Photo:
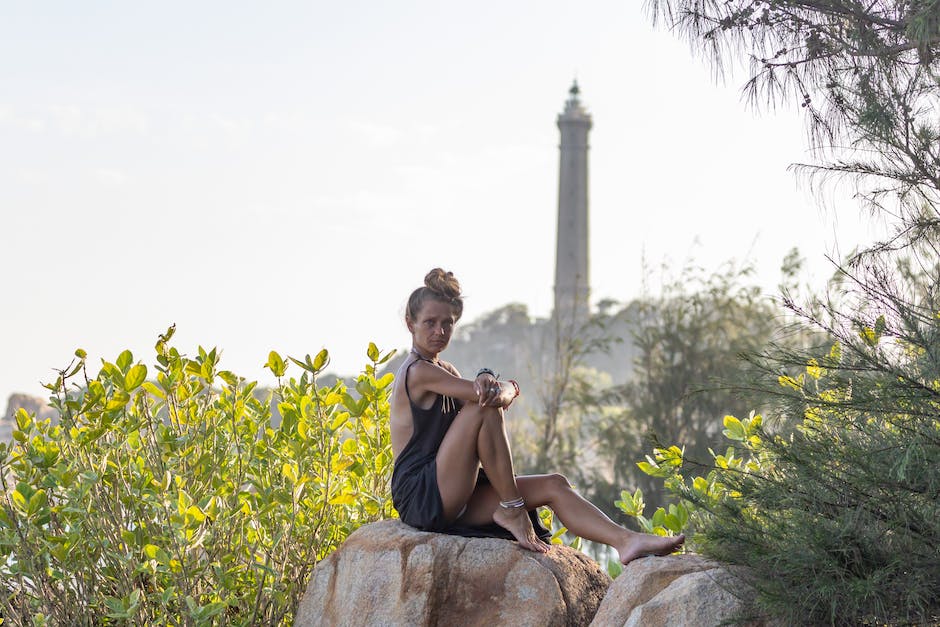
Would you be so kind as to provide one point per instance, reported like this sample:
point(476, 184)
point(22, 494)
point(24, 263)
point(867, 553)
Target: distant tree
point(690, 339)
point(569, 396)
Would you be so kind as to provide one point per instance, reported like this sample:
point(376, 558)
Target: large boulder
point(678, 591)
point(387, 573)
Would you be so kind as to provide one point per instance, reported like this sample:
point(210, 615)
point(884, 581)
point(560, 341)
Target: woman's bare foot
point(642, 544)
point(516, 521)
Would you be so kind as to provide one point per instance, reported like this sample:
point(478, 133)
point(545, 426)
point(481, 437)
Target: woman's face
point(432, 330)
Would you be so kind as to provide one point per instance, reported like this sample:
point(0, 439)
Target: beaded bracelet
point(487, 371)
point(515, 386)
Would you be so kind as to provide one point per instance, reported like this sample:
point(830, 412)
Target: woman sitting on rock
point(445, 427)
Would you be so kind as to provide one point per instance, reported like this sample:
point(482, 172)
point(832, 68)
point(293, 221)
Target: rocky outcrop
point(31, 404)
point(678, 590)
point(387, 573)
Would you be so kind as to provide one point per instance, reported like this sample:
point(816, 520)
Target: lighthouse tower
point(572, 286)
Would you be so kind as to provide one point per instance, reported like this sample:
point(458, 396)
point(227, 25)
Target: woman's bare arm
point(449, 367)
point(444, 379)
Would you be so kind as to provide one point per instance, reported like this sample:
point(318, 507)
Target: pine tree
point(840, 523)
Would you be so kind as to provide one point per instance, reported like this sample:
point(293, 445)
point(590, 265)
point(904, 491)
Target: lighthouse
point(572, 285)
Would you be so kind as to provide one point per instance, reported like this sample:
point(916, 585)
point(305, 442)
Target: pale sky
point(282, 175)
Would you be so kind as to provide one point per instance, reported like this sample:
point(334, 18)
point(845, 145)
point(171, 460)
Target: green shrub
point(838, 516)
point(169, 497)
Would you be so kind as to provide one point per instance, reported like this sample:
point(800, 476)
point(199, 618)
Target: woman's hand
point(488, 390)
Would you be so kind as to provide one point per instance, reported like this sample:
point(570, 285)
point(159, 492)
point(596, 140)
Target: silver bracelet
point(513, 504)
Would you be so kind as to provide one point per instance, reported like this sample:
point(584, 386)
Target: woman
point(445, 427)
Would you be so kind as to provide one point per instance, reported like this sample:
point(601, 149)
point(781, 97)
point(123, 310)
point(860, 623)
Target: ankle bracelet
point(513, 504)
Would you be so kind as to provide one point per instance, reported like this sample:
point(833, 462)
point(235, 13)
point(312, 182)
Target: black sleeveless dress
point(414, 479)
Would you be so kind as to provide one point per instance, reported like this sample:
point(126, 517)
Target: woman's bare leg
point(577, 514)
point(478, 436)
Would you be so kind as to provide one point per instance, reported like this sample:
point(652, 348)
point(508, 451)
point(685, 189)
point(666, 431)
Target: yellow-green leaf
point(134, 377)
point(117, 401)
point(183, 501)
point(734, 430)
point(37, 501)
point(195, 513)
point(276, 364)
point(813, 369)
point(289, 472)
point(19, 500)
point(124, 360)
point(320, 361)
point(343, 499)
point(23, 419)
point(340, 421)
point(153, 389)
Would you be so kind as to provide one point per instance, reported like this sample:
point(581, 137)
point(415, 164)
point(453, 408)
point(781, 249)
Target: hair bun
point(440, 286)
point(443, 283)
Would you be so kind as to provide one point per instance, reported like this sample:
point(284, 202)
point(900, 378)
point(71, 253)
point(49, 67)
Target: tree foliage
point(167, 496)
point(838, 519)
point(836, 507)
point(570, 396)
point(865, 73)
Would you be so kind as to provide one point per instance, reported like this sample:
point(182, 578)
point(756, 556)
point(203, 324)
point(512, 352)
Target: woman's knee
point(545, 489)
point(483, 414)
point(557, 482)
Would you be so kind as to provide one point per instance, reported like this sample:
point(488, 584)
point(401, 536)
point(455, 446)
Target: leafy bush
point(175, 500)
point(838, 517)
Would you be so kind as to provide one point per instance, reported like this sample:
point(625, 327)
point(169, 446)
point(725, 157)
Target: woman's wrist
point(487, 371)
